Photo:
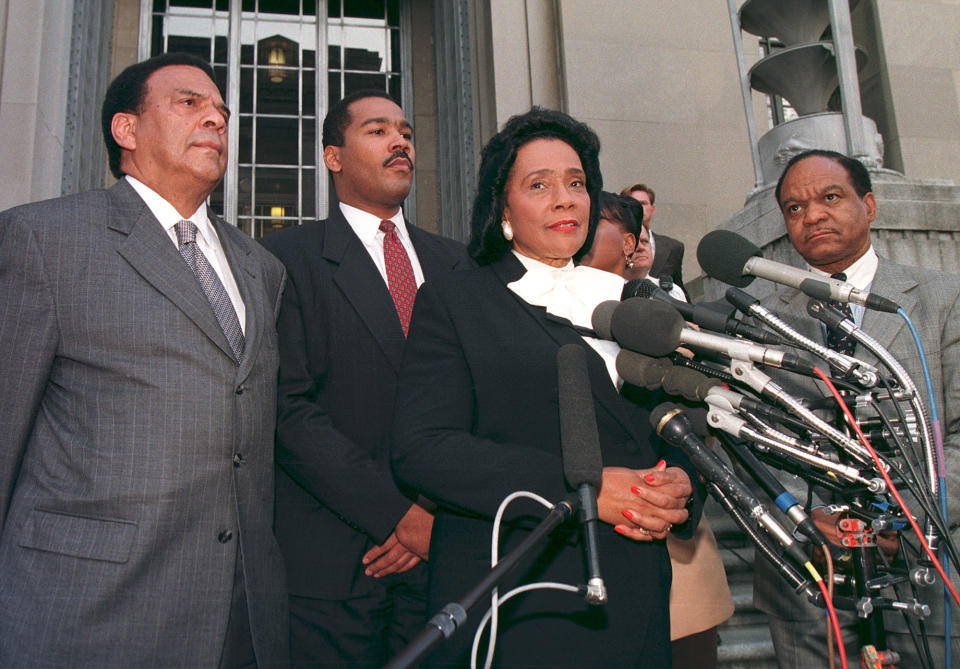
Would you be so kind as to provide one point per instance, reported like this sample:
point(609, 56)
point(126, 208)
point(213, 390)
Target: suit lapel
point(150, 252)
point(247, 274)
point(561, 331)
point(890, 282)
point(434, 259)
point(362, 284)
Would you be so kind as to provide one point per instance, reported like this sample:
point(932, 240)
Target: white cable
point(546, 585)
point(494, 558)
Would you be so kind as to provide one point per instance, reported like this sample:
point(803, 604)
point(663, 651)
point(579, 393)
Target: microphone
point(706, 317)
point(733, 259)
point(863, 373)
point(582, 461)
point(655, 328)
point(642, 370)
point(601, 317)
point(672, 425)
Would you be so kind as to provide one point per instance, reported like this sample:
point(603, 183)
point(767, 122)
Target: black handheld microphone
point(672, 425)
point(705, 316)
point(582, 461)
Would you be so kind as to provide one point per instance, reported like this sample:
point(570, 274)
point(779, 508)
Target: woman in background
point(477, 417)
point(700, 597)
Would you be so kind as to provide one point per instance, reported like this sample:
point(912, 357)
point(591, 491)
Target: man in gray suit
point(137, 404)
point(828, 205)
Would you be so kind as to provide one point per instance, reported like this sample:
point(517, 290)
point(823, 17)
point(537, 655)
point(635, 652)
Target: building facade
point(656, 79)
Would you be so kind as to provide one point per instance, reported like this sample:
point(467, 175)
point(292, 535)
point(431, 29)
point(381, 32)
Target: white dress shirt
point(207, 241)
point(367, 227)
point(859, 275)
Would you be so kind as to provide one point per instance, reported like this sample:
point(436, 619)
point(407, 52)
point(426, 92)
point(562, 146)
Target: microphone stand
point(452, 616)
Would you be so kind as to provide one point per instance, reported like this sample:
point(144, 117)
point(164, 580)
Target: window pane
point(309, 137)
point(246, 54)
point(220, 49)
point(333, 88)
point(309, 191)
point(245, 192)
point(198, 46)
point(277, 91)
point(280, 6)
point(246, 90)
point(364, 48)
point(207, 4)
point(308, 106)
point(246, 139)
point(277, 141)
point(364, 9)
point(156, 36)
point(355, 82)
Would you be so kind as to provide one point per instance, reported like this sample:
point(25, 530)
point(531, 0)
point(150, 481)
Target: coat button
point(224, 536)
point(240, 389)
point(237, 460)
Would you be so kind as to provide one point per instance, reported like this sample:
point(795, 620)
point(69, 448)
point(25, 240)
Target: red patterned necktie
point(403, 285)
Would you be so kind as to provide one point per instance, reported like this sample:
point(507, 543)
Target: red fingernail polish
point(661, 463)
point(627, 514)
point(619, 530)
point(649, 478)
point(635, 490)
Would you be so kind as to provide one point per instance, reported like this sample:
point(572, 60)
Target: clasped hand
point(406, 546)
point(644, 504)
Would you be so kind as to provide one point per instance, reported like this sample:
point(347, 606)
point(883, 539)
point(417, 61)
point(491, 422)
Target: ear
point(123, 127)
point(870, 202)
point(629, 243)
point(331, 158)
point(652, 209)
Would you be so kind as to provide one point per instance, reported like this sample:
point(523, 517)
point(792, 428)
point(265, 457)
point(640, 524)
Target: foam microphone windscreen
point(722, 255)
point(601, 317)
point(579, 437)
point(642, 370)
point(650, 327)
point(688, 383)
point(639, 288)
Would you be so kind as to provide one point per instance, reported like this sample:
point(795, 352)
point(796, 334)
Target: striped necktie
point(212, 288)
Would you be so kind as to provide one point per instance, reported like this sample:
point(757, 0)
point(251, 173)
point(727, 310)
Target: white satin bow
point(572, 292)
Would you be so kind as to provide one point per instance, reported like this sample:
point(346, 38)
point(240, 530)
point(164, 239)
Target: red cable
point(886, 477)
point(835, 622)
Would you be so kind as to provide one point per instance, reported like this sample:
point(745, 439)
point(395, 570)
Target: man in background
point(667, 251)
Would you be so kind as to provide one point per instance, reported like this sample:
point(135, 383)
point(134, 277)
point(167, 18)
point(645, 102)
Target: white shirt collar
point(859, 274)
point(168, 216)
point(367, 226)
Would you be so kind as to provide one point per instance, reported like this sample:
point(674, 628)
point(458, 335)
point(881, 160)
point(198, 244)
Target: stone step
point(745, 648)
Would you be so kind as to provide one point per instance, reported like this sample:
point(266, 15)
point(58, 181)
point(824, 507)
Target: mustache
point(398, 154)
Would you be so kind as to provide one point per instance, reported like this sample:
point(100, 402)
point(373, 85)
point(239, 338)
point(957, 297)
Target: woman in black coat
point(477, 417)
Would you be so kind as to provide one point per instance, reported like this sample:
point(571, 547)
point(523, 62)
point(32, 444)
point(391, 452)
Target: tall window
point(264, 54)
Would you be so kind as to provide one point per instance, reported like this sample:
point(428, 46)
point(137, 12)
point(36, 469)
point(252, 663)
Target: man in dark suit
point(667, 251)
point(137, 404)
point(351, 538)
point(828, 205)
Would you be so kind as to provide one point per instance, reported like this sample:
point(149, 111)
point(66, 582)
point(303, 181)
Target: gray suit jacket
point(135, 452)
point(932, 301)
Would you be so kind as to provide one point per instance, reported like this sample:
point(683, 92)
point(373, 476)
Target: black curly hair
point(487, 242)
